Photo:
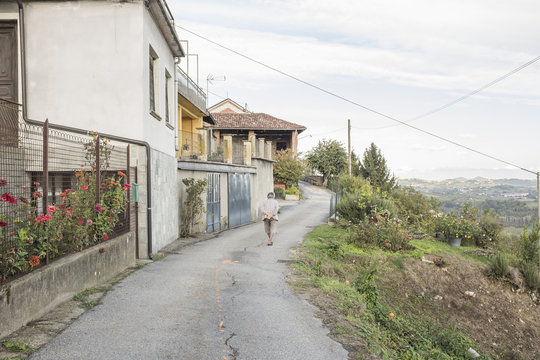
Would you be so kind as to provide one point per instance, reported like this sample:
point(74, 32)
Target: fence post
point(126, 181)
point(45, 179)
point(98, 169)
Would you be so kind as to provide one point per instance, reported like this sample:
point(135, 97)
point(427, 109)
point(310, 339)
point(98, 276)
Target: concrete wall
point(87, 67)
point(31, 296)
point(262, 184)
point(158, 133)
point(165, 200)
point(261, 177)
point(84, 64)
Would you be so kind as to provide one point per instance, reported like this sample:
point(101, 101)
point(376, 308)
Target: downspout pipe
point(85, 132)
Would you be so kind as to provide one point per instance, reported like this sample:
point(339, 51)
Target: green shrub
point(529, 245)
point(279, 191)
point(531, 274)
point(288, 169)
point(413, 205)
point(354, 184)
point(490, 227)
point(357, 206)
point(499, 264)
point(292, 191)
point(381, 231)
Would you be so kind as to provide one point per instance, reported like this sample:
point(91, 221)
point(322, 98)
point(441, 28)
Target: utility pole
point(349, 133)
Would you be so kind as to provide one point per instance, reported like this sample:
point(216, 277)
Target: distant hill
point(513, 199)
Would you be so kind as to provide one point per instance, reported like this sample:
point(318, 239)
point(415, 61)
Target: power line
point(466, 96)
point(378, 112)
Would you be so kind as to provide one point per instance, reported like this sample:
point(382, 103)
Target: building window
point(167, 90)
point(152, 80)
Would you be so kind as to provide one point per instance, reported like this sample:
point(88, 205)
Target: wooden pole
point(349, 136)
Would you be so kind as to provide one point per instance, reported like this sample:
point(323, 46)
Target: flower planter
point(455, 242)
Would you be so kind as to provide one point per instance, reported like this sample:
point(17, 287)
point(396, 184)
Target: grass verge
point(349, 276)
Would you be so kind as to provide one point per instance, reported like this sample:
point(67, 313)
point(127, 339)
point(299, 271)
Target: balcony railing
point(191, 91)
point(190, 145)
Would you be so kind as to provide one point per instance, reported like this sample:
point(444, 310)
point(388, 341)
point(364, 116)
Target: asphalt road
point(225, 298)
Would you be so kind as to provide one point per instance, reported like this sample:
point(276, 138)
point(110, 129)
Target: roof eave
point(165, 22)
point(253, 128)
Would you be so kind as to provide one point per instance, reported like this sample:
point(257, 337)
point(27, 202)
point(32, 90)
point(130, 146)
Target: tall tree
point(373, 168)
point(328, 157)
point(355, 164)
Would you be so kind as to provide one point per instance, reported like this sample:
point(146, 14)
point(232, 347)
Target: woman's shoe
point(270, 244)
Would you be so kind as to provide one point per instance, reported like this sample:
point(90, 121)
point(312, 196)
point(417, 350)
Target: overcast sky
point(400, 58)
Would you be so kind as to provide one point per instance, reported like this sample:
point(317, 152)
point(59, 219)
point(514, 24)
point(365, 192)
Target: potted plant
point(453, 228)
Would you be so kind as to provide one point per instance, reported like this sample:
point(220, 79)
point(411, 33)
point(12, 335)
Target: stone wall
point(33, 295)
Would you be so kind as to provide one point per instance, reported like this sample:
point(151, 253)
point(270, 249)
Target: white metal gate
point(213, 204)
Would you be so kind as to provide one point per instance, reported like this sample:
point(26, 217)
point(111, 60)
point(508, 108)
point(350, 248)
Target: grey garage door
point(239, 199)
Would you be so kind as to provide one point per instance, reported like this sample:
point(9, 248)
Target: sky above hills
point(400, 58)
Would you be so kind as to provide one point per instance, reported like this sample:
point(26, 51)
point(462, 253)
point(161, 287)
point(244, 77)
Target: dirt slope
point(500, 316)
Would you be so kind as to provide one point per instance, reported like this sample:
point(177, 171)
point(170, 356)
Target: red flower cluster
point(8, 198)
point(99, 208)
point(34, 261)
point(37, 194)
point(42, 218)
point(84, 187)
point(3, 224)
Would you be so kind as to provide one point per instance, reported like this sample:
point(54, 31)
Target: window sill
point(155, 114)
point(170, 126)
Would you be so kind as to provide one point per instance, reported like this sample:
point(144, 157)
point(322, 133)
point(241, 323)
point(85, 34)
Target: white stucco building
point(107, 66)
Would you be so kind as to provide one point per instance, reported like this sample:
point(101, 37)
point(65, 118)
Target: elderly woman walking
point(270, 209)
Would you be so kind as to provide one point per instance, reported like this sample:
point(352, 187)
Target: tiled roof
point(253, 121)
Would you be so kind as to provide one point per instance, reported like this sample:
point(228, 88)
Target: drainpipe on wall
point(85, 132)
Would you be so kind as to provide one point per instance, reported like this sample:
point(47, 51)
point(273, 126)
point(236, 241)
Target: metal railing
point(191, 91)
point(38, 167)
point(190, 144)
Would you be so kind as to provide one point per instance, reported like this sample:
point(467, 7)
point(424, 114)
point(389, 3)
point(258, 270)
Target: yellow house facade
point(191, 135)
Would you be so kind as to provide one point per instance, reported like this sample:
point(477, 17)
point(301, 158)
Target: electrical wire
point(380, 113)
point(466, 96)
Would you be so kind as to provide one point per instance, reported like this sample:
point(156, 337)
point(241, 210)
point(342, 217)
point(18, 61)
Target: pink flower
point(51, 209)
point(69, 214)
point(89, 222)
point(80, 222)
point(84, 187)
point(127, 185)
point(105, 236)
point(98, 208)
point(48, 217)
point(3, 224)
